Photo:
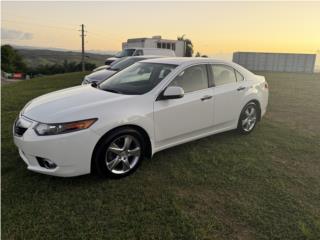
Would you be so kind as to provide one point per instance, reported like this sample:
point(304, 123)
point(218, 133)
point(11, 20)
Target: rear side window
point(239, 76)
point(223, 74)
point(192, 79)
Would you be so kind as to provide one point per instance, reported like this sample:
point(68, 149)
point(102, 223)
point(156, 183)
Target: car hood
point(112, 58)
point(100, 75)
point(71, 104)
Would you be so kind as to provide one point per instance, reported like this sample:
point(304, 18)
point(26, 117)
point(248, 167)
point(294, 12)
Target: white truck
point(138, 51)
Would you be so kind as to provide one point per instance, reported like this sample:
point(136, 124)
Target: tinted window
point(138, 52)
point(137, 79)
point(192, 79)
point(125, 63)
point(116, 61)
point(125, 53)
point(223, 74)
point(239, 76)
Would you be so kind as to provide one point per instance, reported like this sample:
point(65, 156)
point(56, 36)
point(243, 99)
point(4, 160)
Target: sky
point(214, 27)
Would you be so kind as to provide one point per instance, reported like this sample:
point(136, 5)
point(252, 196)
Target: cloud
point(11, 34)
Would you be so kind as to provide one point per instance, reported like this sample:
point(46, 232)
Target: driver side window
point(138, 52)
point(192, 79)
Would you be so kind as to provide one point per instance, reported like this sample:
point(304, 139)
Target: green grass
point(36, 57)
point(262, 186)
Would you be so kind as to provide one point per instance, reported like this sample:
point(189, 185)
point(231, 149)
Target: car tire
point(119, 154)
point(248, 118)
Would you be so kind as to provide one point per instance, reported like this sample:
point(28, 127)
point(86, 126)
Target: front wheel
point(119, 154)
point(248, 118)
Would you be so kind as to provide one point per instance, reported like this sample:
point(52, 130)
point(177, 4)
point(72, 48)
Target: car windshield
point(137, 79)
point(125, 63)
point(116, 61)
point(125, 53)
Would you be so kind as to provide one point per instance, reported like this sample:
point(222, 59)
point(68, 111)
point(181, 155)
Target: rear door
point(194, 111)
point(227, 94)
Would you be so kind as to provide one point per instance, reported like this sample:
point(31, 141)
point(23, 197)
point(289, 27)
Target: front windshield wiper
point(112, 90)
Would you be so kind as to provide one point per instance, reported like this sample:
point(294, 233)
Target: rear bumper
point(71, 152)
point(263, 110)
point(264, 104)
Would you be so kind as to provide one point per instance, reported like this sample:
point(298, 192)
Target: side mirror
point(172, 93)
point(94, 84)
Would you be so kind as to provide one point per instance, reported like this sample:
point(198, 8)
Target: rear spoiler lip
point(260, 77)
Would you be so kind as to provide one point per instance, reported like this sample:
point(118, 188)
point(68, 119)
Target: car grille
point(20, 126)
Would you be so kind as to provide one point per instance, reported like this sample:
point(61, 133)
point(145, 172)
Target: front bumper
point(71, 152)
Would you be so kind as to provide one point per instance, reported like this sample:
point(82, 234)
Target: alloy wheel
point(249, 119)
point(123, 154)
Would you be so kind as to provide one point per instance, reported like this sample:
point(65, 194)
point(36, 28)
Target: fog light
point(46, 163)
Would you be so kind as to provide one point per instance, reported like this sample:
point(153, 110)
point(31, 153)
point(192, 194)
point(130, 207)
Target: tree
point(188, 44)
point(198, 54)
point(11, 61)
point(60, 68)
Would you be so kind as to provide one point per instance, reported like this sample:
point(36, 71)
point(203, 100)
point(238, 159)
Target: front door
point(194, 111)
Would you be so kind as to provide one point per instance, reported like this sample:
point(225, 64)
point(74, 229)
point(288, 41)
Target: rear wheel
point(120, 153)
point(248, 118)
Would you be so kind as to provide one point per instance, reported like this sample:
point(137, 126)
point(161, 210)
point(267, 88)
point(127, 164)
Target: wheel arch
point(141, 130)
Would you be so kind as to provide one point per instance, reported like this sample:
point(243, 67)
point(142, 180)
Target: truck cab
point(128, 52)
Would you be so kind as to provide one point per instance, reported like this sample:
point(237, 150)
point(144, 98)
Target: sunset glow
point(213, 27)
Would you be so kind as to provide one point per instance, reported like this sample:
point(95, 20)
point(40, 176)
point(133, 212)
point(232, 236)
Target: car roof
point(185, 60)
point(144, 56)
point(135, 48)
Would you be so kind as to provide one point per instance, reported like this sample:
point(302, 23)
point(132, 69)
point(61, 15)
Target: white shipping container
point(277, 62)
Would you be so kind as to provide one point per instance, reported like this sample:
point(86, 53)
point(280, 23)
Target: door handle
point(206, 97)
point(241, 88)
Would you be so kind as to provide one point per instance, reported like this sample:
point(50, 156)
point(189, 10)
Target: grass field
point(36, 57)
point(262, 186)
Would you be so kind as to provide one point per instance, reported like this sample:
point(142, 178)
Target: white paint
point(167, 122)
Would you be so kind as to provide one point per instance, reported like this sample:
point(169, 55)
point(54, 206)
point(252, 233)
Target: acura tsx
point(150, 106)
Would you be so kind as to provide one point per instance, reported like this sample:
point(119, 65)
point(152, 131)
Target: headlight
point(43, 129)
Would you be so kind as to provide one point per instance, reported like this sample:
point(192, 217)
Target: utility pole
point(82, 45)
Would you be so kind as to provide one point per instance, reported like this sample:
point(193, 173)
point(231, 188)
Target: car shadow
point(93, 179)
point(206, 140)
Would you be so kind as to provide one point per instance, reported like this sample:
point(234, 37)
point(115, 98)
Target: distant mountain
point(39, 48)
point(103, 52)
point(34, 57)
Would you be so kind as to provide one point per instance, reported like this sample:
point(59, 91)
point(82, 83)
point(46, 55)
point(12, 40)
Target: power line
point(96, 36)
point(103, 36)
point(40, 25)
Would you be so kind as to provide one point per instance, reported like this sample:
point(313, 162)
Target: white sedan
point(150, 106)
